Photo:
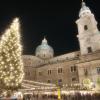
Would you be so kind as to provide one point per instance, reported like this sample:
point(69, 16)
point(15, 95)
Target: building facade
point(70, 68)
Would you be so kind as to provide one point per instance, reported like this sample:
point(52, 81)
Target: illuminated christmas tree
point(11, 65)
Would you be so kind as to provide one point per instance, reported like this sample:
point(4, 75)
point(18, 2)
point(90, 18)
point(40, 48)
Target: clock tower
point(88, 33)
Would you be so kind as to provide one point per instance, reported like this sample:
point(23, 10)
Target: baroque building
point(69, 68)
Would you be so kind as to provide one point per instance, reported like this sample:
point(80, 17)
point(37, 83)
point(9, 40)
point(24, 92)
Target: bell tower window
point(85, 27)
point(89, 49)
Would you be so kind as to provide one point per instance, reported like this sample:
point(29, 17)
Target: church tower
point(88, 33)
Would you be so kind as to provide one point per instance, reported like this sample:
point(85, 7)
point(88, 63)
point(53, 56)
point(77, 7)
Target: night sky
point(55, 21)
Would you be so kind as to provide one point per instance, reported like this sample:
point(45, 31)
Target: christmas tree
point(11, 64)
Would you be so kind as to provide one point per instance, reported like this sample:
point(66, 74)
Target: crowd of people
point(76, 96)
point(43, 96)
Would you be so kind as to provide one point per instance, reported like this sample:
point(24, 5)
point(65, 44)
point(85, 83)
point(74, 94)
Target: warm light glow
point(11, 64)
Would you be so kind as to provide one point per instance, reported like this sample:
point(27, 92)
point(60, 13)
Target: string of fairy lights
point(11, 65)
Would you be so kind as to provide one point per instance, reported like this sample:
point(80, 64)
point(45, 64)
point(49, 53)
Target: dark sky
point(56, 21)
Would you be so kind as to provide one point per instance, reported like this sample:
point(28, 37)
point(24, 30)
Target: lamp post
point(59, 90)
point(59, 93)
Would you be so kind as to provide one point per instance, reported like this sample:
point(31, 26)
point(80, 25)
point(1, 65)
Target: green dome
point(44, 50)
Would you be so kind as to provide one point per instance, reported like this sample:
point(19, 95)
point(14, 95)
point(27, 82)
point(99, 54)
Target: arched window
point(85, 27)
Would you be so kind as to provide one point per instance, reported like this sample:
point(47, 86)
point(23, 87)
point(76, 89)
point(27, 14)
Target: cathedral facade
point(69, 68)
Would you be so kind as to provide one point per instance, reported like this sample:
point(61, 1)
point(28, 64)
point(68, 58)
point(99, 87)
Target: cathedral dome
point(84, 10)
point(44, 50)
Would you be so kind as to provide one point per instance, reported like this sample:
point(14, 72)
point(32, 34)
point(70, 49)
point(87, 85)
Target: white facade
point(72, 67)
point(88, 33)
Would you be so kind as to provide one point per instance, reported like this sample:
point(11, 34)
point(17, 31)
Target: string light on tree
point(11, 64)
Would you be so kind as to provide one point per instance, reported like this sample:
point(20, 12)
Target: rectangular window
point(49, 81)
point(73, 68)
point(89, 49)
point(85, 72)
point(98, 70)
point(59, 70)
point(49, 72)
point(73, 79)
